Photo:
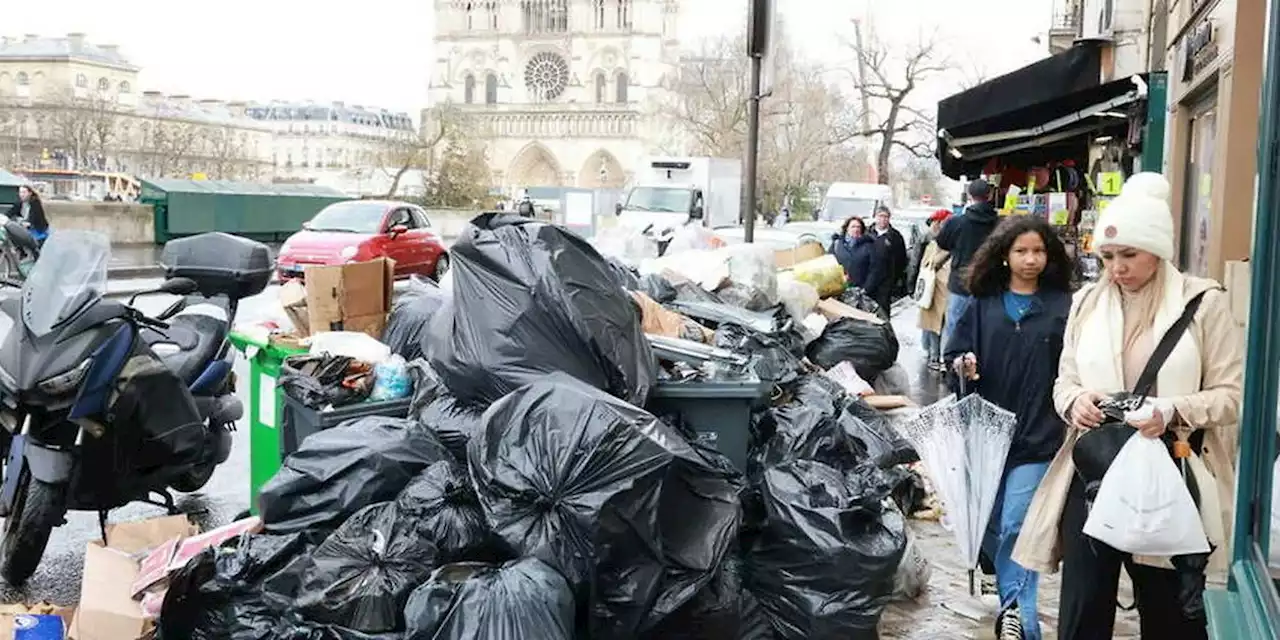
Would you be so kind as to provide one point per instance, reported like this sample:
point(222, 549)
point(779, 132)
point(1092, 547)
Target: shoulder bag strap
point(1165, 347)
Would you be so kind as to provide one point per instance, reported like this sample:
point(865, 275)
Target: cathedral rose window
point(546, 75)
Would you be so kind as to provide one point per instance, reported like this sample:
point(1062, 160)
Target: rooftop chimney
point(76, 40)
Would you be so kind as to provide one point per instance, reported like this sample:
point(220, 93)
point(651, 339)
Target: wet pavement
point(946, 611)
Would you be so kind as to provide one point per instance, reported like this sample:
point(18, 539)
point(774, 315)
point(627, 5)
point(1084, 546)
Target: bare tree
point(170, 147)
point(225, 152)
point(409, 150)
point(709, 92)
point(890, 76)
point(83, 126)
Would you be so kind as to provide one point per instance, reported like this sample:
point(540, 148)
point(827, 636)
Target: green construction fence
point(264, 212)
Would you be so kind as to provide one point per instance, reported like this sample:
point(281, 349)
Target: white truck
point(668, 192)
point(854, 199)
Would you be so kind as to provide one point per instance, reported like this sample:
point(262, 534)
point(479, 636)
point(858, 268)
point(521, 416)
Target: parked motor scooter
point(103, 405)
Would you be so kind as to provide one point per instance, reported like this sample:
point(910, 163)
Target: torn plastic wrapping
point(338, 471)
point(884, 444)
point(410, 317)
point(631, 246)
point(524, 599)
point(798, 298)
point(530, 299)
point(718, 313)
point(872, 348)
point(439, 411)
point(824, 565)
point(858, 299)
point(317, 380)
point(633, 516)
point(754, 266)
point(657, 287)
point(773, 357)
point(362, 574)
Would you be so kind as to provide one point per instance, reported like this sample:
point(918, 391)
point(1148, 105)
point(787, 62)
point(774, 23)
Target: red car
point(360, 230)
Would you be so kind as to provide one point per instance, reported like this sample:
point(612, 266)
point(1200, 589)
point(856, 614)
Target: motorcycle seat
point(192, 340)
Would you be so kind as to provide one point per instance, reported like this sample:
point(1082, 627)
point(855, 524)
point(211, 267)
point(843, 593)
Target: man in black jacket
point(962, 235)
point(891, 249)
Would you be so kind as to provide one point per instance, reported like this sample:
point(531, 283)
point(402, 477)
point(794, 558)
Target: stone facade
point(561, 91)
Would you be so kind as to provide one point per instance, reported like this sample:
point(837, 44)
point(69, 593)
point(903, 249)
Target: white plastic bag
point(753, 265)
point(1143, 506)
point(925, 283)
point(626, 244)
point(351, 344)
point(912, 576)
point(798, 297)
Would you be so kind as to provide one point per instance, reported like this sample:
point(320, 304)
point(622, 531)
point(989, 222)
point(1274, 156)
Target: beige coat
point(931, 319)
point(1216, 409)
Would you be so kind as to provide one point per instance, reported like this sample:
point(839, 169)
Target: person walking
point(891, 251)
point(1006, 345)
point(962, 236)
point(1111, 334)
point(31, 211)
point(931, 319)
point(855, 251)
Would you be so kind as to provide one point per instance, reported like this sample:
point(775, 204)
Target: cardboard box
point(293, 298)
point(1238, 283)
point(136, 560)
point(784, 259)
point(350, 297)
point(834, 309)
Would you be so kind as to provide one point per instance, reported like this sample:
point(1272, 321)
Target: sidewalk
point(936, 615)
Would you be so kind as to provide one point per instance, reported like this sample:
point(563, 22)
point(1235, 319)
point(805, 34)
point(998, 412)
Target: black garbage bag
point(625, 276)
point(745, 296)
point(341, 470)
point(529, 299)
point(444, 507)
point(659, 288)
point(715, 612)
point(771, 358)
point(689, 291)
point(361, 575)
point(217, 595)
point(872, 348)
point(438, 410)
point(618, 502)
point(807, 426)
point(520, 600)
point(410, 318)
point(824, 565)
point(858, 299)
point(882, 442)
point(909, 491)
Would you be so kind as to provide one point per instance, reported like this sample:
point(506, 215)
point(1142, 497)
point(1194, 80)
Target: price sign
point(1110, 182)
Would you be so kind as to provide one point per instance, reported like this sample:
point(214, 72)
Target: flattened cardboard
point(350, 297)
point(833, 309)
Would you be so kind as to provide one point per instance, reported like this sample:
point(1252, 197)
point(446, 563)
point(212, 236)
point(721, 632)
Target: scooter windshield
point(70, 273)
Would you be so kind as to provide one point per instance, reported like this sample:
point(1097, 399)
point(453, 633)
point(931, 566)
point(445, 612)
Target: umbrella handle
point(958, 365)
point(972, 591)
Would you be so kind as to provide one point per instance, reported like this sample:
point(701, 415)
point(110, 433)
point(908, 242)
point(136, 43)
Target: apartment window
point(22, 79)
point(598, 13)
point(125, 87)
point(469, 89)
point(491, 89)
point(104, 84)
point(545, 16)
point(600, 84)
point(621, 93)
point(82, 81)
point(467, 8)
point(493, 14)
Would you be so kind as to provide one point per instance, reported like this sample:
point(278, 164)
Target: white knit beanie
point(1139, 217)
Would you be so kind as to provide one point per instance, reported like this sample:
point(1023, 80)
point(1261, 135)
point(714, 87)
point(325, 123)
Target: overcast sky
point(378, 52)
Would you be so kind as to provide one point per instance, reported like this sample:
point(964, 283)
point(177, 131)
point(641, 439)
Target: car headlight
point(65, 382)
point(349, 253)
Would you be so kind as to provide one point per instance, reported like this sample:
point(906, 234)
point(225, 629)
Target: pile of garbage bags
point(529, 493)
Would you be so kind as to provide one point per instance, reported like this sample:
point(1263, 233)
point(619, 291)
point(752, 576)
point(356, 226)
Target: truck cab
point(668, 193)
point(846, 200)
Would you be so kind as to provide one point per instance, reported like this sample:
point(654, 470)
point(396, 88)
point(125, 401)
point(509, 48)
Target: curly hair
point(844, 228)
point(988, 273)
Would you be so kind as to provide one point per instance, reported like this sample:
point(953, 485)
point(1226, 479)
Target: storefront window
point(1197, 208)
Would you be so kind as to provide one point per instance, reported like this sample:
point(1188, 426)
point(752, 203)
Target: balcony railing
point(1068, 16)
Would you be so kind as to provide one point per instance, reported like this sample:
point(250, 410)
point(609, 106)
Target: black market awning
point(1053, 103)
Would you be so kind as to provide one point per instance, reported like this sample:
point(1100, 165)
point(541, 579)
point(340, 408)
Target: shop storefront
point(1215, 74)
point(1055, 139)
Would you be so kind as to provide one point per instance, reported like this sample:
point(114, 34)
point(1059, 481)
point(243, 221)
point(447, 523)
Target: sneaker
point(1009, 625)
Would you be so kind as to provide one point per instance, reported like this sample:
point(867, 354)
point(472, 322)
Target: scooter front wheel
point(37, 509)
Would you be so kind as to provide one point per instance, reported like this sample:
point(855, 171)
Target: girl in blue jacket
point(1006, 344)
point(855, 250)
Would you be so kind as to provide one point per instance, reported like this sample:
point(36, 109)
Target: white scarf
point(1099, 352)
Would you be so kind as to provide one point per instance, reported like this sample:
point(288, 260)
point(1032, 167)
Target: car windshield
point(71, 273)
point(661, 199)
point(350, 217)
point(837, 209)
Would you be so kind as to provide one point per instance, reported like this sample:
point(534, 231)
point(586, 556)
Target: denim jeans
point(932, 343)
point(956, 304)
point(1016, 584)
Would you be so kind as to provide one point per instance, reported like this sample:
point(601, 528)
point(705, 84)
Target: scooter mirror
point(179, 286)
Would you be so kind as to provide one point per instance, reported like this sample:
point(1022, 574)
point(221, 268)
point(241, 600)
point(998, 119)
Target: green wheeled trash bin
point(265, 410)
point(719, 411)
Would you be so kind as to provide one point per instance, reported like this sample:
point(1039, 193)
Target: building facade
point(1214, 57)
point(560, 91)
point(347, 147)
point(66, 103)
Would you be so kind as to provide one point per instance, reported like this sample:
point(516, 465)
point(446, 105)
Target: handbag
point(925, 283)
point(1097, 448)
